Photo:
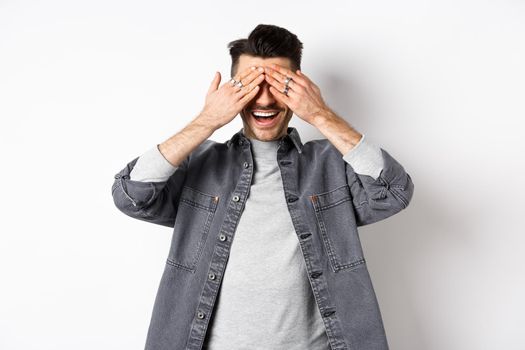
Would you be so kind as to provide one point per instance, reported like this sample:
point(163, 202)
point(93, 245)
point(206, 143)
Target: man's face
point(264, 129)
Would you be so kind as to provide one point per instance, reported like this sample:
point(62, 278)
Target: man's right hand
point(225, 102)
point(222, 105)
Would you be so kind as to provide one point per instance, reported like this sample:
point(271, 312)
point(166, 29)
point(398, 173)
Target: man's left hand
point(304, 97)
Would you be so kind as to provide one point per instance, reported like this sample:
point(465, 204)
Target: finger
point(246, 77)
point(299, 73)
point(215, 83)
point(302, 75)
point(288, 73)
point(292, 84)
point(276, 76)
point(234, 82)
point(278, 85)
point(227, 83)
point(243, 101)
point(238, 77)
point(253, 75)
point(245, 73)
point(249, 87)
point(280, 96)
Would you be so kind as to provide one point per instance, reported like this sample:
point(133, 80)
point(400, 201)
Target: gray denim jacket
point(203, 201)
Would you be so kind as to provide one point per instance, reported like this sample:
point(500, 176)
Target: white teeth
point(262, 114)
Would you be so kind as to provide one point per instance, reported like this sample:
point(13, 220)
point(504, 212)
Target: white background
point(86, 86)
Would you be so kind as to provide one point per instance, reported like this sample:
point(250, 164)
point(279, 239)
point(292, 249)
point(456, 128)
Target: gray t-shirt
point(265, 301)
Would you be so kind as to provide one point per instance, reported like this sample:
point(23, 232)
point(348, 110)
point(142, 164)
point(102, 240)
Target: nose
point(264, 97)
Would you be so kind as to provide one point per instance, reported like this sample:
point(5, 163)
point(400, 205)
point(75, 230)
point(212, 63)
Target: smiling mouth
point(259, 115)
point(265, 119)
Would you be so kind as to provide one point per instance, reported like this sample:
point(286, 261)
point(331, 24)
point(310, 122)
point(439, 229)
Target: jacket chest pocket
point(335, 218)
point(192, 224)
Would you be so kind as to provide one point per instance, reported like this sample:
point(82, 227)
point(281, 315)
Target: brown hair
point(267, 40)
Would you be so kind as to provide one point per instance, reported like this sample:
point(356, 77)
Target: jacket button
point(200, 315)
point(222, 237)
point(245, 164)
point(316, 274)
point(211, 276)
point(292, 199)
point(235, 198)
point(328, 313)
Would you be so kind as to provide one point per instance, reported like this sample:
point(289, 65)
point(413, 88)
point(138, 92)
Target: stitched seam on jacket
point(400, 197)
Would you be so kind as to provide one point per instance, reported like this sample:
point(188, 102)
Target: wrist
point(206, 122)
point(323, 117)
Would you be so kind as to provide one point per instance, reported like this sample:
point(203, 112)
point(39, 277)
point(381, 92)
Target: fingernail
point(253, 67)
point(261, 69)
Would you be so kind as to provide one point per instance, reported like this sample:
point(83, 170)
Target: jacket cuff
point(152, 167)
point(365, 158)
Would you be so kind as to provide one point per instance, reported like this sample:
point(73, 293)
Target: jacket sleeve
point(379, 185)
point(149, 196)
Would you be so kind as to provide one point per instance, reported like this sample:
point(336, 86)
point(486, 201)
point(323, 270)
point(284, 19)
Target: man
point(265, 252)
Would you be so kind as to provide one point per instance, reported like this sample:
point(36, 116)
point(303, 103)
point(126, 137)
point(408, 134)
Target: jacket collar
point(292, 136)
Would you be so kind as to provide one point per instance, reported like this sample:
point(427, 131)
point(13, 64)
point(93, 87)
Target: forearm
point(362, 154)
point(161, 161)
point(179, 146)
point(343, 136)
